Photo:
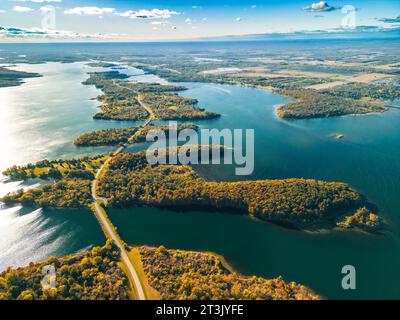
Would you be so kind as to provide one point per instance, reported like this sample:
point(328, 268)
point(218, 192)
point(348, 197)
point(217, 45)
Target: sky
point(158, 20)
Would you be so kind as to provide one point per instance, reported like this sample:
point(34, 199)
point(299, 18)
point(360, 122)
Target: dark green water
point(367, 158)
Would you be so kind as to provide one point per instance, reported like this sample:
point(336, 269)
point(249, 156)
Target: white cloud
point(38, 33)
point(238, 19)
point(188, 21)
point(149, 14)
point(90, 11)
point(319, 6)
point(46, 9)
point(3, 11)
point(22, 9)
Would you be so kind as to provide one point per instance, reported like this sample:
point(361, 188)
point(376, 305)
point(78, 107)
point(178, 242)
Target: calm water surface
point(41, 118)
point(367, 158)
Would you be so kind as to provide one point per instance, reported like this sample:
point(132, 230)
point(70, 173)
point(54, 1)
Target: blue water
point(42, 118)
point(367, 158)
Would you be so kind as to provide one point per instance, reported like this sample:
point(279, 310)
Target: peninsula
point(130, 180)
point(123, 100)
point(12, 78)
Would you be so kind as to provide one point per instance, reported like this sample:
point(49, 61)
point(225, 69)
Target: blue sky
point(124, 20)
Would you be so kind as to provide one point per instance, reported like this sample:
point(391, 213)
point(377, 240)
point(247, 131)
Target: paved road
point(101, 214)
point(140, 100)
point(103, 219)
point(148, 109)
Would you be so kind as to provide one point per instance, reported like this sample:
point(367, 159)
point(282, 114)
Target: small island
point(117, 136)
point(363, 219)
point(101, 64)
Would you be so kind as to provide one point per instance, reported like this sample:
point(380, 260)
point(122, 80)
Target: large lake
point(41, 118)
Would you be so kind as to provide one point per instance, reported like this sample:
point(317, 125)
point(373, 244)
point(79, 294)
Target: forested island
point(12, 78)
point(363, 219)
point(105, 137)
point(112, 137)
point(100, 64)
point(122, 100)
